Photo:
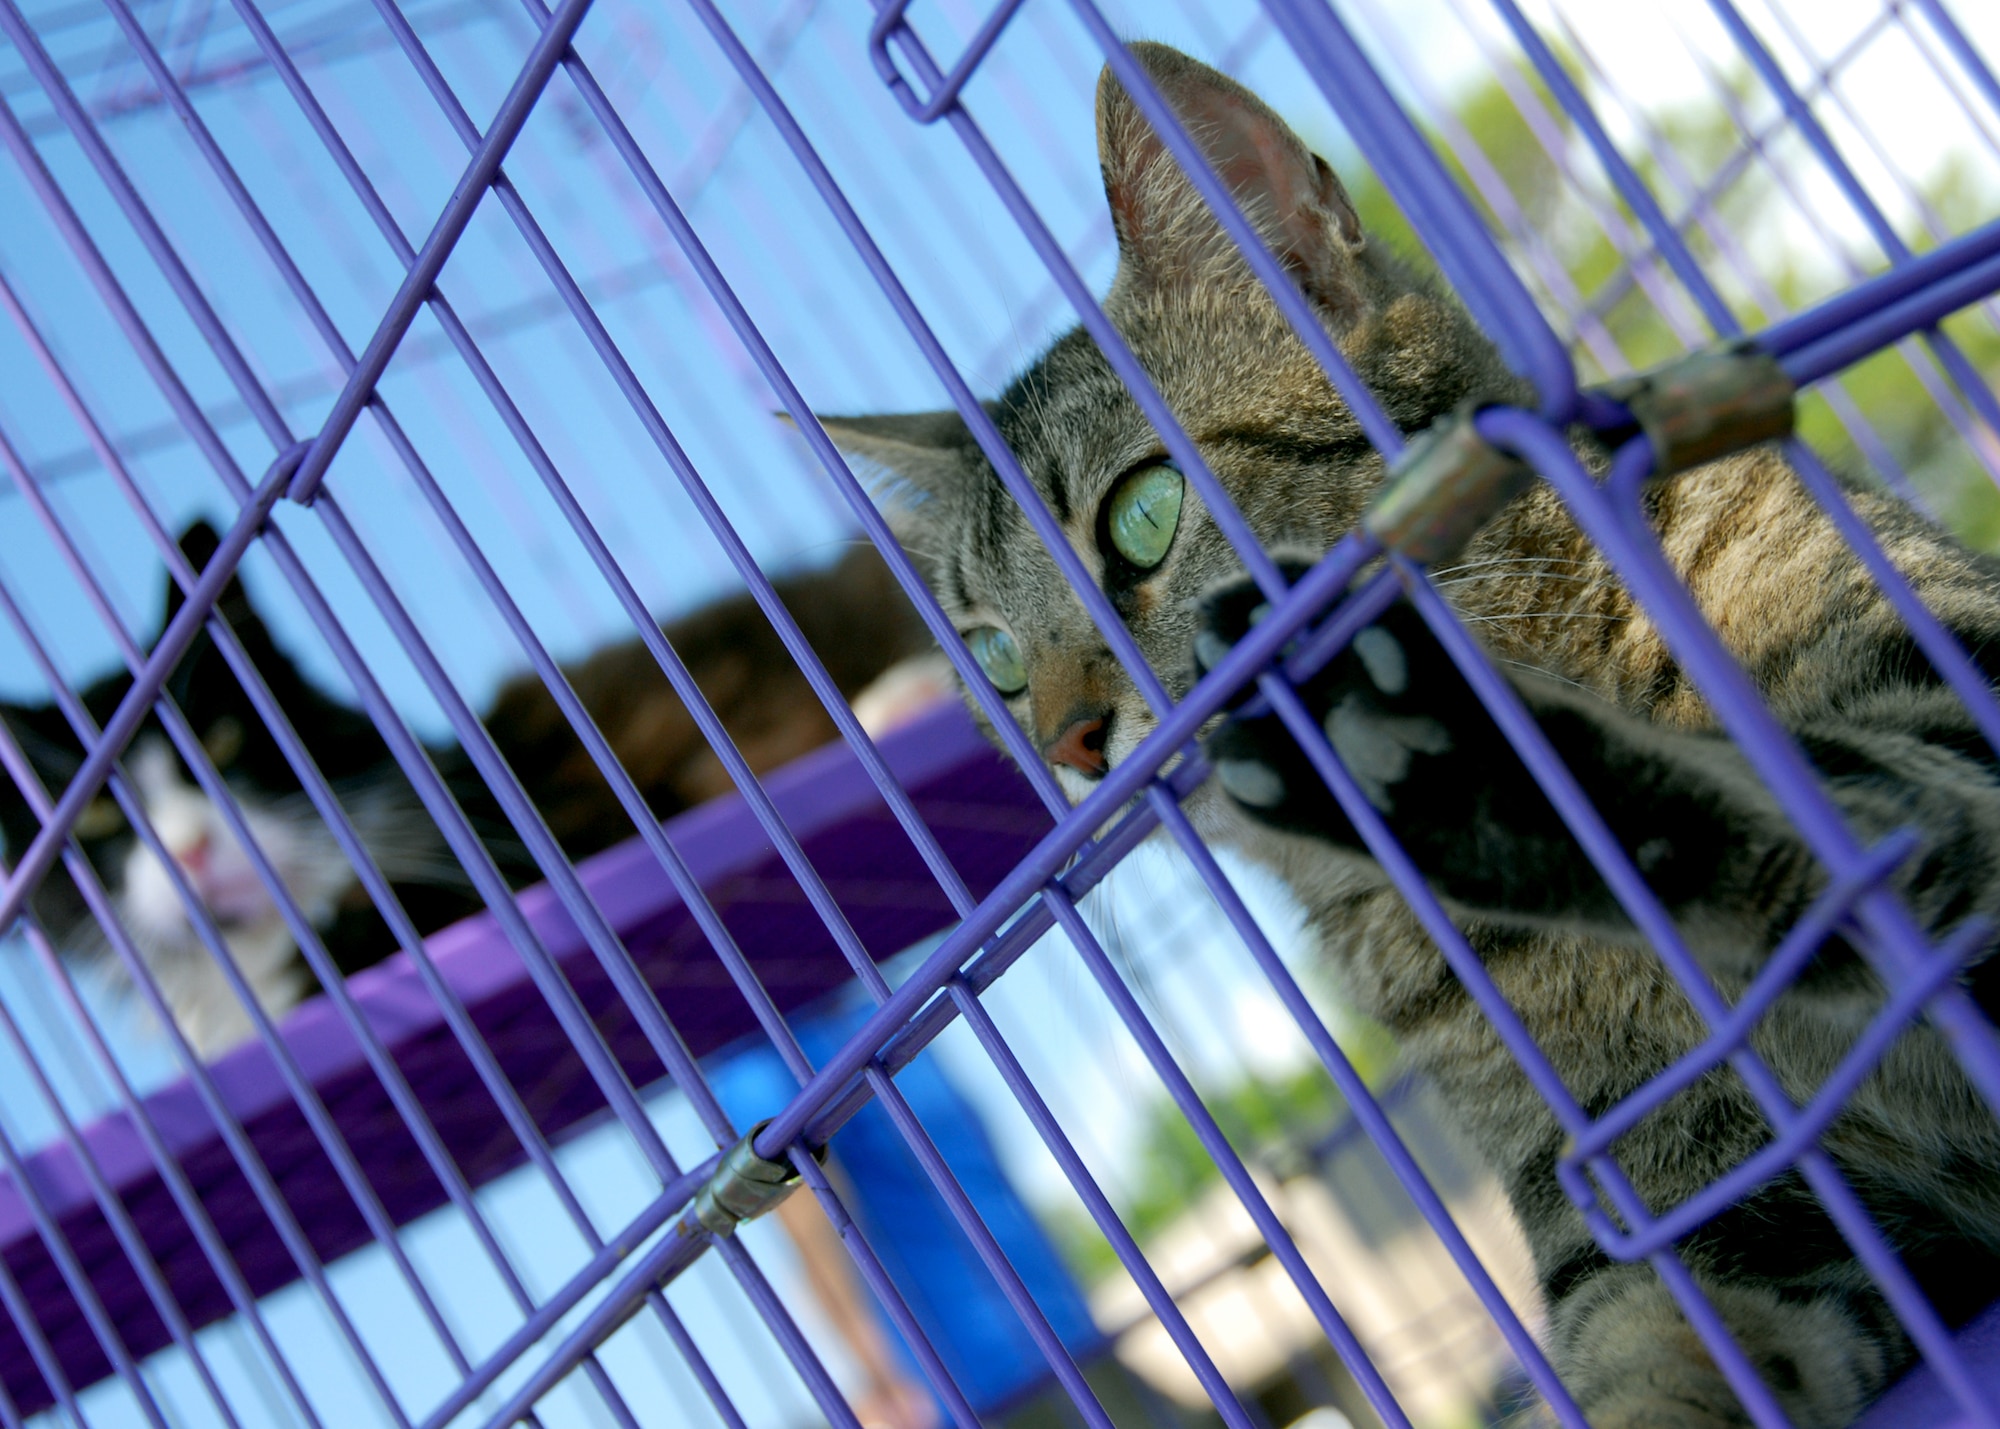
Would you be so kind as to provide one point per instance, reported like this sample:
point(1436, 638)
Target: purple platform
point(979, 807)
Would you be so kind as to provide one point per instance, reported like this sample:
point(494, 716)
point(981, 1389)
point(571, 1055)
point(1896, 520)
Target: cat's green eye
point(100, 819)
point(1144, 512)
point(224, 740)
point(999, 657)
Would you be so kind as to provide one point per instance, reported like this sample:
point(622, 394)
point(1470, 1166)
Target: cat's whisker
point(1514, 616)
point(1514, 577)
point(1545, 673)
point(1539, 562)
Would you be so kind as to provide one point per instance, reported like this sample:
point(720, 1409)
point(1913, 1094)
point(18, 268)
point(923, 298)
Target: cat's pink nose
point(193, 855)
point(1081, 744)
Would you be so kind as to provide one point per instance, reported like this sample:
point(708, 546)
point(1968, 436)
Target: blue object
point(952, 1294)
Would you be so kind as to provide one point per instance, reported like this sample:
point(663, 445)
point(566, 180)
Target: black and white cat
point(851, 613)
point(209, 860)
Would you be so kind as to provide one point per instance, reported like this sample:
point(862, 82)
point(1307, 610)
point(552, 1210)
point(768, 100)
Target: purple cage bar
point(477, 1049)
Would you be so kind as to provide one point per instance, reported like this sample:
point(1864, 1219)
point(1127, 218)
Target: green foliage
point(1758, 218)
point(1171, 1169)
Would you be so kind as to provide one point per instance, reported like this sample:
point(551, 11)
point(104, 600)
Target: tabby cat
point(851, 613)
point(1893, 747)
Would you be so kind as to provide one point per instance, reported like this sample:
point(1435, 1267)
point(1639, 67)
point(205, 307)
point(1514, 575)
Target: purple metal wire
point(668, 1257)
point(226, 350)
point(778, 1319)
point(1493, 190)
point(697, 1364)
point(1125, 780)
point(1928, 375)
point(707, 150)
point(147, 682)
point(876, 1277)
point(409, 754)
point(1641, 265)
point(666, 1042)
point(1928, 45)
point(1926, 213)
point(367, 871)
point(1917, 313)
point(989, 1250)
point(774, 609)
point(22, 1313)
point(1094, 861)
point(129, 1240)
point(437, 247)
point(134, 964)
point(1522, 733)
point(830, 459)
point(1895, 948)
point(1804, 1130)
point(1238, 1177)
point(653, 1266)
point(1111, 344)
point(1772, 981)
point(80, 1286)
point(521, 813)
point(174, 1177)
point(1622, 534)
point(1971, 385)
point(1939, 645)
point(1907, 281)
point(1366, 1111)
point(307, 940)
point(1707, 213)
point(1459, 955)
point(1231, 1409)
point(945, 88)
point(1437, 208)
point(957, 993)
point(186, 1200)
point(1963, 50)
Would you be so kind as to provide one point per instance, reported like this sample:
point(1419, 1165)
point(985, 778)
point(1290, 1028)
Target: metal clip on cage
point(1708, 404)
point(1449, 482)
point(744, 1186)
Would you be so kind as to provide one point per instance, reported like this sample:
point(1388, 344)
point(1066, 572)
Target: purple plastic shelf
point(982, 811)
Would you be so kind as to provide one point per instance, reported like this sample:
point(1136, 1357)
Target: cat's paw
point(1401, 718)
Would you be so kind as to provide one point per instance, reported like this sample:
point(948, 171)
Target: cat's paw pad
point(1386, 703)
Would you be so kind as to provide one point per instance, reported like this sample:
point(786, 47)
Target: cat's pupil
point(1144, 511)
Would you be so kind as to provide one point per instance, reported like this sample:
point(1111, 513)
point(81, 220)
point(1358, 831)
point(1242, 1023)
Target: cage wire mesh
point(463, 324)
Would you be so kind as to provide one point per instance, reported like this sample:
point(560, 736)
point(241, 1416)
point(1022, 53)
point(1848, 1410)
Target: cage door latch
point(1707, 404)
point(743, 1186)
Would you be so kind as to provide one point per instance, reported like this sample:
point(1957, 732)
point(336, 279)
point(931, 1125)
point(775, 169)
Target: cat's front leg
point(1430, 760)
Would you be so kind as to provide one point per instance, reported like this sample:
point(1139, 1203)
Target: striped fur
point(1773, 578)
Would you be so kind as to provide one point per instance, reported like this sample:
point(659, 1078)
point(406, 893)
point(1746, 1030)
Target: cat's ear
point(922, 458)
point(199, 543)
point(1167, 237)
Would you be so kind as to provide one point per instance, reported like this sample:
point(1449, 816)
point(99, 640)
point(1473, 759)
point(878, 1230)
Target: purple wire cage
point(464, 321)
